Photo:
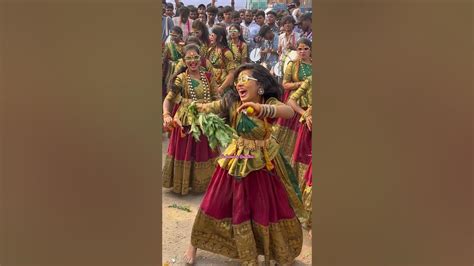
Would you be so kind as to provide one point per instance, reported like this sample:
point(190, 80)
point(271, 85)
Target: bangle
point(267, 110)
point(274, 111)
point(307, 113)
point(263, 111)
point(166, 114)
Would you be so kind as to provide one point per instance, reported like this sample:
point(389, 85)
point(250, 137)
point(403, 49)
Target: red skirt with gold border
point(189, 164)
point(244, 218)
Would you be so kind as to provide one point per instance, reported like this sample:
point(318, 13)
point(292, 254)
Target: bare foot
point(190, 255)
point(310, 234)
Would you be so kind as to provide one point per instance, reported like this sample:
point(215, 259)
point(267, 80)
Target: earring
point(260, 91)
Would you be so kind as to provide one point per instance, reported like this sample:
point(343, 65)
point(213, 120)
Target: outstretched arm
point(212, 107)
point(268, 110)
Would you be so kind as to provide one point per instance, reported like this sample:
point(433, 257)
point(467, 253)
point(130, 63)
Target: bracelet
point(166, 114)
point(307, 113)
point(267, 110)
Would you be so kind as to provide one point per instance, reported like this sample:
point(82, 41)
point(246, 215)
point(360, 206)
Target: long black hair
point(199, 25)
point(193, 40)
point(171, 85)
point(237, 27)
point(271, 87)
point(221, 34)
point(264, 30)
point(177, 30)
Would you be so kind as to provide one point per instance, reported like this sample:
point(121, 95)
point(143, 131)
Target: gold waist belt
point(252, 144)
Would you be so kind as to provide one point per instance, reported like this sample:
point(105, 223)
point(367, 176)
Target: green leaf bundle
point(192, 112)
point(212, 126)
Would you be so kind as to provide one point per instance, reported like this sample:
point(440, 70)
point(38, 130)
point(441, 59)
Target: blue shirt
point(166, 25)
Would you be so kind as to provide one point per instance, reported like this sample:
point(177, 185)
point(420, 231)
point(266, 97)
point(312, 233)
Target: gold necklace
point(207, 91)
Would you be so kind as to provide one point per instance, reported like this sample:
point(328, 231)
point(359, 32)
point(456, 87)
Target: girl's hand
point(309, 122)
point(200, 107)
point(297, 85)
point(178, 122)
point(256, 107)
point(167, 119)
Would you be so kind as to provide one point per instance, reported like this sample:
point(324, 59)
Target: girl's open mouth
point(242, 93)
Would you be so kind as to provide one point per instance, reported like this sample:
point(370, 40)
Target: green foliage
point(212, 126)
point(179, 207)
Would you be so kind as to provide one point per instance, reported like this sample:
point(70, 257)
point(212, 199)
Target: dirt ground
point(177, 226)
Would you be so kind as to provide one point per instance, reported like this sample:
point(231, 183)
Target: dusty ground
point(177, 225)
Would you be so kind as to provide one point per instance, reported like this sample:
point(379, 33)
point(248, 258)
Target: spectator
point(242, 14)
point(287, 40)
point(291, 7)
point(244, 30)
point(201, 9)
point(183, 21)
point(211, 16)
point(193, 12)
point(202, 17)
point(271, 22)
point(296, 13)
point(169, 10)
point(252, 26)
point(220, 16)
point(260, 18)
point(166, 26)
point(269, 47)
point(236, 17)
point(259, 22)
point(227, 14)
point(178, 6)
point(305, 22)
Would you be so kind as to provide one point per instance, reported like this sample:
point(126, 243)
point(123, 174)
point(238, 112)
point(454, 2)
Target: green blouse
point(246, 153)
point(253, 150)
point(298, 71)
point(304, 91)
point(183, 95)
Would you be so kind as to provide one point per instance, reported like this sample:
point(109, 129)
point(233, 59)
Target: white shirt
point(186, 27)
point(296, 13)
point(254, 28)
point(284, 41)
